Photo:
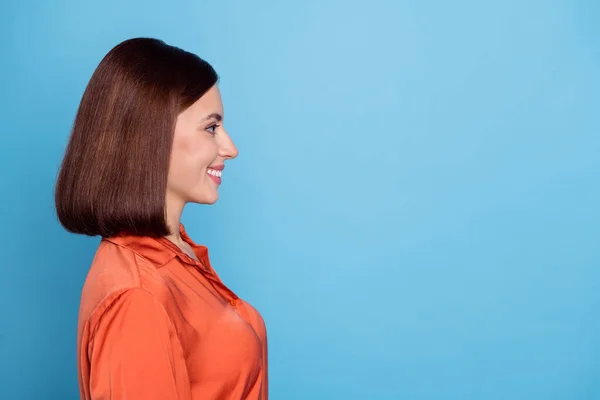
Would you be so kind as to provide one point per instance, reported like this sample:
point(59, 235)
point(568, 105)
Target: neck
point(174, 211)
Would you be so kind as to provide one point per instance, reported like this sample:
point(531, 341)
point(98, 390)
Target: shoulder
point(115, 270)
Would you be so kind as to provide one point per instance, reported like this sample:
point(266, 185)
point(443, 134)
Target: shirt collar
point(159, 251)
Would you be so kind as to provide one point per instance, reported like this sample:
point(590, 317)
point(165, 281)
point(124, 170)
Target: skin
point(200, 142)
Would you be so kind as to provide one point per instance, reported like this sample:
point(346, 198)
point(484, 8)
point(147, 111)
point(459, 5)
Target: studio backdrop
point(414, 209)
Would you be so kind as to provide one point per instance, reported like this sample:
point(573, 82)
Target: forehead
point(209, 103)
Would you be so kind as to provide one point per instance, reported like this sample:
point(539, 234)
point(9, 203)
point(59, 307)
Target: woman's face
point(200, 147)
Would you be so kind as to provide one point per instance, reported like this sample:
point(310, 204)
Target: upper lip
point(218, 167)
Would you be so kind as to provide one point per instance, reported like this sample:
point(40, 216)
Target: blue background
point(414, 209)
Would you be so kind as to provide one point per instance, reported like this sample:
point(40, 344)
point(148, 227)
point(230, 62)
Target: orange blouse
point(156, 324)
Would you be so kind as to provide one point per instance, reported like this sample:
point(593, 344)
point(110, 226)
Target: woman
point(155, 320)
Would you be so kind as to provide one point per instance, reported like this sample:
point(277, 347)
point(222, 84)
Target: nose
point(227, 148)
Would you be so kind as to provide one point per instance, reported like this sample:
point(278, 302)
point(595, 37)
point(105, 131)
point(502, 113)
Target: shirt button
point(233, 302)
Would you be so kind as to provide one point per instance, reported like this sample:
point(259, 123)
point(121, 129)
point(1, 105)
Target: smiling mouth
point(215, 175)
point(214, 172)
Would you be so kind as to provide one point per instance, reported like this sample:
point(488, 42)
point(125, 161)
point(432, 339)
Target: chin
point(206, 199)
point(213, 201)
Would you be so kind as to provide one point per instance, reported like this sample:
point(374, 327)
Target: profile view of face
point(200, 147)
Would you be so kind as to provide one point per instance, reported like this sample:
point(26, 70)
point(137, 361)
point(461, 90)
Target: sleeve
point(135, 353)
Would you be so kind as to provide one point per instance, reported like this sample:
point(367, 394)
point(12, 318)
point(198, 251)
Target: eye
point(211, 129)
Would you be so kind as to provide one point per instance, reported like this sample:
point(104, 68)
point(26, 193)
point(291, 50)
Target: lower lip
point(215, 179)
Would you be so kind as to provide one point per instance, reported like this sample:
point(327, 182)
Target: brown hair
point(113, 176)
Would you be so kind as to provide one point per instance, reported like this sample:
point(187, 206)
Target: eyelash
point(214, 126)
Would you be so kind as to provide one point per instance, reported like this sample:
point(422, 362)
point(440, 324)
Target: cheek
point(193, 153)
point(181, 162)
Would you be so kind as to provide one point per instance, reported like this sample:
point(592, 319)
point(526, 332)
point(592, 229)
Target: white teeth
point(214, 172)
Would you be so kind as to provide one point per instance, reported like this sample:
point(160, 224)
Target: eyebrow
point(216, 116)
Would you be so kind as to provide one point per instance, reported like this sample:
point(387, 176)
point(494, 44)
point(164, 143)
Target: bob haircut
point(113, 177)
